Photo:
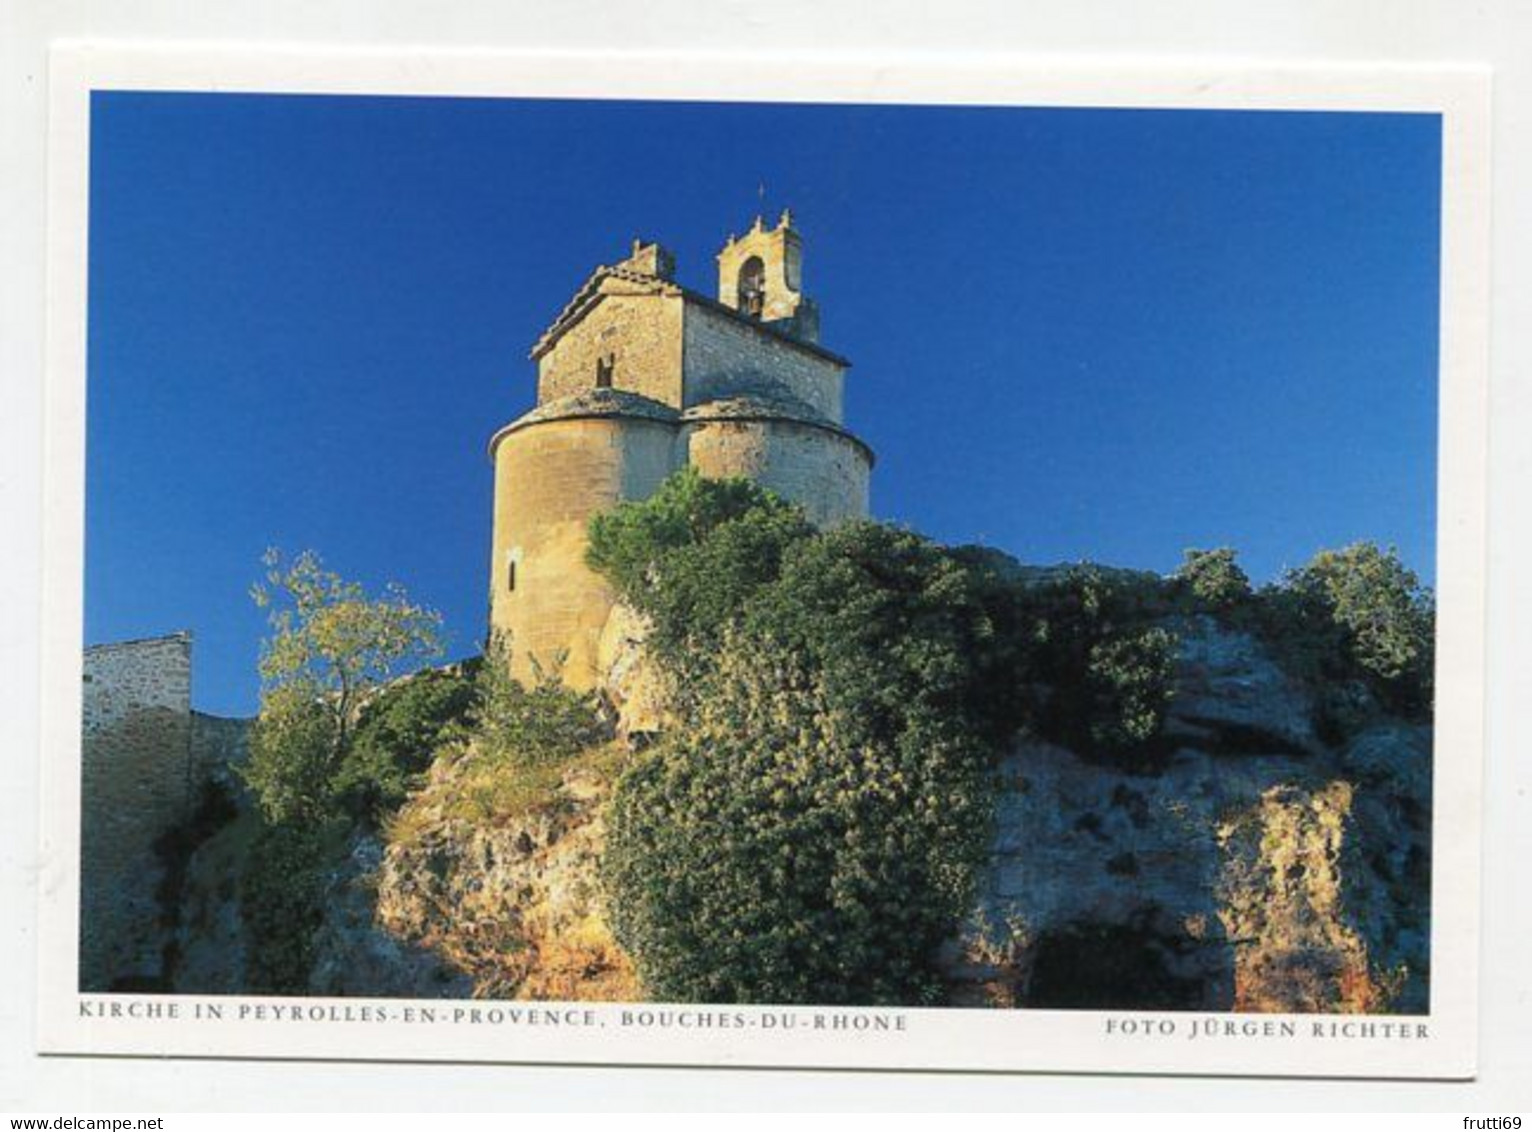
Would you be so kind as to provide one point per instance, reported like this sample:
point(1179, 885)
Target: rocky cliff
point(1250, 865)
point(514, 903)
point(1253, 869)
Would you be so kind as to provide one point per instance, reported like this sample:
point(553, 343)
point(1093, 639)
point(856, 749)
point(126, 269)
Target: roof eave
point(576, 310)
point(814, 348)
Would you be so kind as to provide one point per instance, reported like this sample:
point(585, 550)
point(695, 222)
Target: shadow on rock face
point(1127, 967)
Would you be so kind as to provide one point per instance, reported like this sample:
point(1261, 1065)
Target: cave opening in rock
point(1112, 967)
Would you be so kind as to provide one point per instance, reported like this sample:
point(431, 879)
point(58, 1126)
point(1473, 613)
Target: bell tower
point(760, 274)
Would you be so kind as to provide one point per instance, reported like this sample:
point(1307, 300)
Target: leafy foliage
point(1129, 680)
point(1386, 613)
point(521, 741)
point(398, 732)
point(282, 886)
point(546, 723)
point(293, 756)
point(1214, 578)
point(328, 744)
point(809, 832)
point(719, 541)
point(331, 645)
point(809, 828)
point(1107, 668)
point(1359, 614)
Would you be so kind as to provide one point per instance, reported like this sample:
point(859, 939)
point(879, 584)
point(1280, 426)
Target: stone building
point(136, 770)
point(637, 377)
point(146, 757)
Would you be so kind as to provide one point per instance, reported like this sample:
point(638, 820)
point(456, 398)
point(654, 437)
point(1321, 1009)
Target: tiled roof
point(756, 403)
point(590, 295)
point(772, 406)
point(592, 403)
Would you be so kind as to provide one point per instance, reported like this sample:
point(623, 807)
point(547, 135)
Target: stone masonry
point(638, 377)
point(135, 787)
point(145, 758)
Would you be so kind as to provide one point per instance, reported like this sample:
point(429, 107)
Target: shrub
point(547, 723)
point(1356, 617)
point(1387, 615)
point(719, 541)
point(809, 830)
point(281, 888)
point(519, 745)
point(767, 852)
point(1108, 668)
point(397, 734)
point(1214, 578)
point(1130, 685)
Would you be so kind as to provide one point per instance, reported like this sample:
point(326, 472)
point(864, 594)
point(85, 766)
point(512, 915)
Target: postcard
point(764, 562)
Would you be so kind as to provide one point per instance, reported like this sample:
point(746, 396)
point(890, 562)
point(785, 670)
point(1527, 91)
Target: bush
point(810, 829)
point(1387, 615)
point(1356, 618)
point(519, 745)
point(292, 755)
point(547, 723)
point(719, 541)
point(1214, 578)
point(760, 856)
point(280, 903)
point(397, 735)
point(1130, 685)
point(1107, 668)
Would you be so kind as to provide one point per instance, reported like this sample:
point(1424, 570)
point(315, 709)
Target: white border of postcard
point(1440, 1045)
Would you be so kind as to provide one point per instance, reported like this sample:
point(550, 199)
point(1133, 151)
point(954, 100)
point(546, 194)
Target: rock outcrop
point(1254, 869)
point(513, 903)
point(632, 684)
point(356, 953)
point(353, 954)
point(1252, 866)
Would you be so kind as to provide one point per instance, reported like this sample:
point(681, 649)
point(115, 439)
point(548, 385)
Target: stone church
point(637, 377)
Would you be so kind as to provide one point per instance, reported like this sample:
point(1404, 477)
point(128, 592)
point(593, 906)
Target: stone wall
point(725, 357)
point(136, 776)
point(146, 761)
point(641, 333)
point(218, 745)
point(826, 471)
point(549, 479)
point(757, 404)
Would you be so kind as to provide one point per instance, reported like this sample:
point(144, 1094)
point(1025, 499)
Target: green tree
point(330, 648)
point(627, 542)
point(810, 828)
point(1385, 618)
point(719, 540)
point(1214, 578)
point(398, 732)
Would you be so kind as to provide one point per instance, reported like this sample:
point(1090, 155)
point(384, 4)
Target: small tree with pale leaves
point(331, 647)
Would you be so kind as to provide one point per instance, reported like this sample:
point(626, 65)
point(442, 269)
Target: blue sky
point(1104, 334)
